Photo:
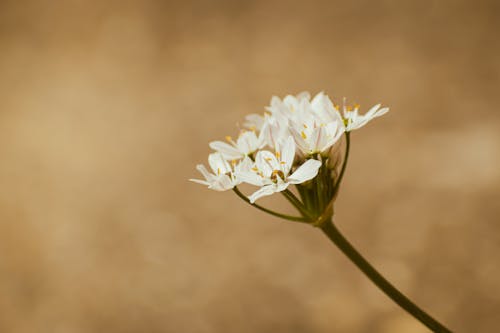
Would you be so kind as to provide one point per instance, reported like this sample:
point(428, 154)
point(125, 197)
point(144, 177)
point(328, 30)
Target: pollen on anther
point(282, 162)
point(278, 155)
point(303, 135)
point(255, 169)
point(356, 106)
point(218, 171)
point(228, 138)
point(305, 126)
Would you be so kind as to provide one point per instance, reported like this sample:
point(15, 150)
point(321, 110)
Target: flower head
point(295, 142)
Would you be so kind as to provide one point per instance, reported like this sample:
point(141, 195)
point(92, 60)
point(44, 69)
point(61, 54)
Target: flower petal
point(222, 183)
point(228, 152)
point(266, 162)
point(198, 181)
point(250, 178)
point(305, 172)
point(287, 155)
point(262, 192)
point(218, 164)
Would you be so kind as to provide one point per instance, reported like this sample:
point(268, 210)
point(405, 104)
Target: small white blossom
point(223, 177)
point(271, 171)
point(246, 144)
point(354, 120)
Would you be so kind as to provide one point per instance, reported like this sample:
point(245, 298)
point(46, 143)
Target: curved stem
point(296, 203)
point(283, 216)
point(343, 244)
point(344, 164)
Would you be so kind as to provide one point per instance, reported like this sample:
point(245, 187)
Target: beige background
point(106, 107)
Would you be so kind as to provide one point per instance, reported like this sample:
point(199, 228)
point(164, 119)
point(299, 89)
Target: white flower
point(246, 144)
point(271, 171)
point(313, 137)
point(223, 177)
point(254, 121)
point(315, 125)
point(353, 120)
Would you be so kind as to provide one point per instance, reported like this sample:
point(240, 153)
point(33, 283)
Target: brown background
point(106, 107)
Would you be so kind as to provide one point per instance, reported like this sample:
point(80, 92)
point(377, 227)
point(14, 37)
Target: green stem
point(344, 164)
point(283, 216)
point(343, 244)
point(296, 203)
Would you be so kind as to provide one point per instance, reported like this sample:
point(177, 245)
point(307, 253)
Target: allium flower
point(223, 177)
point(354, 120)
point(246, 144)
point(295, 142)
point(271, 171)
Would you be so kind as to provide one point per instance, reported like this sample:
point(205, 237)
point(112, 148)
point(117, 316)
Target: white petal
point(248, 143)
point(381, 112)
point(305, 172)
point(244, 166)
point(287, 155)
point(201, 168)
point(281, 186)
point(250, 178)
point(299, 140)
point(229, 152)
point(303, 95)
point(318, 139)
point(262, 192)
point(202, 182)
point(218, 164)
point(266, 162)
point(222, 183)
point(254, 121)
point(372, 110)
point(334, 133)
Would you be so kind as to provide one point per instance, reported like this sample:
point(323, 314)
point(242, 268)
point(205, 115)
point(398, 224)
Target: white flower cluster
point(286, 145)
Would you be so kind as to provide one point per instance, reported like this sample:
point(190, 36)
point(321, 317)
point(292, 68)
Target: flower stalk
point(331, 231)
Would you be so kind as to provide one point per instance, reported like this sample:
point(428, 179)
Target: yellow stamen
point(303, 135)
point(282, 162)
point(218, 171)
point(228, 138)
point(305, 126)
point(356, 106)
point(349, 108)
point(255, 169)
point(268, 159)
point(278, 155)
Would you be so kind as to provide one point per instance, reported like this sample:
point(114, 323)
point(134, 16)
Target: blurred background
point(107, 106)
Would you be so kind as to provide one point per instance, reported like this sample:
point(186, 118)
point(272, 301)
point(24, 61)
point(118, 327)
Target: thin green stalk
point(283, 216)
point(385, 286)
point(296, 203)
point(344, 164)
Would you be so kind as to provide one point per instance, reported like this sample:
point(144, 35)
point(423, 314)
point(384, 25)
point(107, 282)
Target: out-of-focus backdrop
point(106, 107)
